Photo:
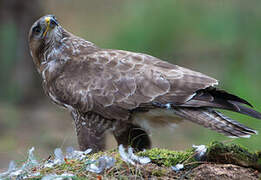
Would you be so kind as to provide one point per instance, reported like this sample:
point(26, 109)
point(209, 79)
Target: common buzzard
point(126, 92)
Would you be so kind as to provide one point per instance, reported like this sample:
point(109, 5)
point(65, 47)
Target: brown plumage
point(118, 90)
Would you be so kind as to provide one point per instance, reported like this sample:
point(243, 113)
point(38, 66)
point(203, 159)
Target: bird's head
point(43, 32)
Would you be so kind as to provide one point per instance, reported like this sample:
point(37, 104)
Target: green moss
point(161, 160)
point(166, 157)
point(233, 154)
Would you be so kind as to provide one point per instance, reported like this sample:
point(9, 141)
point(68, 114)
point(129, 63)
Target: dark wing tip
point(228, 96)
point(246, 110)
point(244, 102)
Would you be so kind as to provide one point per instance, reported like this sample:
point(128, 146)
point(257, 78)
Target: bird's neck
point(78, 45)
point(60, 51)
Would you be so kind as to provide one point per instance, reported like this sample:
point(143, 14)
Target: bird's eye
point(52, 23)
point(37, 29)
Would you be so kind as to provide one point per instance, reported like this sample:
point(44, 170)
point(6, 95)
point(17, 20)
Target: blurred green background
point(219, 38)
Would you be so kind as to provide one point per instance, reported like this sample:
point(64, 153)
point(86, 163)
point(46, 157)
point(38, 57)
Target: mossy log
point(221, 161)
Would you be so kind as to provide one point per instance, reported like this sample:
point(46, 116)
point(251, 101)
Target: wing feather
point(113, 82)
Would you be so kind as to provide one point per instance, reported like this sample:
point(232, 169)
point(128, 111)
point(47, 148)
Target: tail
point(215, 98)
point(214, 120)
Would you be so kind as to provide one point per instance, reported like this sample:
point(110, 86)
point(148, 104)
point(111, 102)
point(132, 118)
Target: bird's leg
point(90, 130)
point(132, 135)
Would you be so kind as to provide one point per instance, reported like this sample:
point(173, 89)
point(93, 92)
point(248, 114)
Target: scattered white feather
point(49, 177)
point(98, 166)
point(144, 160)
point(16, 173)
point(57, 177)
point(11, 168)
point(125, 156)
point(69, 151)
point(31, 157)
point(23, 171)
point(74, 154)
point(35, 174)
point(49, 164)
point(200, 151)
point(67, 174)
point(130, 157)
point(58, 156)
point(31, 161)
point(178, 167)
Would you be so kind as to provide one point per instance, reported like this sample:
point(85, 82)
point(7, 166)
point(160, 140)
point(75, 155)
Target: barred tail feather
point(246, 110)
point(214, 120)
point(220, 99)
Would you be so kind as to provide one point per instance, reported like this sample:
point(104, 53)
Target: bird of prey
point(126, 92)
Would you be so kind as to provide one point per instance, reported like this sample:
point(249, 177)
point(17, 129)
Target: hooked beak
point(51, 22)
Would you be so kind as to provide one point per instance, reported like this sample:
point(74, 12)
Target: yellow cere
point(47, 20)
